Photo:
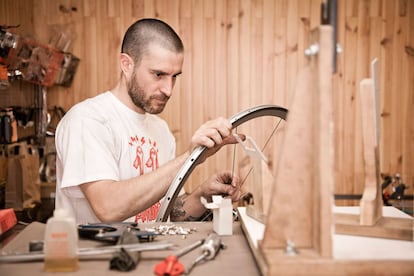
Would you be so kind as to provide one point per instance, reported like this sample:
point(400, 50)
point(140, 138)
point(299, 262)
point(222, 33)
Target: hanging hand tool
point(209, 250)
point(171, 266)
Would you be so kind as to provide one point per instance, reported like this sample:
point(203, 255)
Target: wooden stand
point(298, 236)
point(370, 222)
point(371, 202)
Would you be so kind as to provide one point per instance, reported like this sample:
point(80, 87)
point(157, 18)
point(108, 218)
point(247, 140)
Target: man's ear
point(127, 64)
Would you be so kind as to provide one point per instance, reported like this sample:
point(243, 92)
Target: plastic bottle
point(61, 243)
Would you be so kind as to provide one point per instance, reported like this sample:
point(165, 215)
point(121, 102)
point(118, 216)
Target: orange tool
point(170, 266)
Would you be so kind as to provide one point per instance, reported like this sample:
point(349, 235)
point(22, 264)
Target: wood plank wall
point(242, 53)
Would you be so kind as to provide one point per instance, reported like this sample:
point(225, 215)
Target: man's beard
point(137, 95)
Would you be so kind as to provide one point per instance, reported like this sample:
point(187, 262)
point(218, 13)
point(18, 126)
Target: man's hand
point(189, 207)
point(213, 135)
point(221, 183)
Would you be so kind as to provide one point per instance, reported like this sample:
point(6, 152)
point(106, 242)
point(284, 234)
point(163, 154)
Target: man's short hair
point(146, 31)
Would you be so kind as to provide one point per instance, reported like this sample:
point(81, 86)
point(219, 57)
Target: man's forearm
point(187, 208)
point(119, 200)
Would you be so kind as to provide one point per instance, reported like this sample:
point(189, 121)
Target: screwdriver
point(209, 250)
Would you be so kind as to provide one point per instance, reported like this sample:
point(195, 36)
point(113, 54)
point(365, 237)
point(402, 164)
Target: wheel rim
point(198, 153)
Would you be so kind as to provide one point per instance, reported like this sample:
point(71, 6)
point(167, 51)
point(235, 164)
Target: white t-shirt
point(101, 138)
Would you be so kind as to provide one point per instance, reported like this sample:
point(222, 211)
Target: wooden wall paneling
point(281, 97)
point(161, 10)
point(315, 13)
point(4, 14)
point(338, 99)
point(114, 8)
point(231, 95)
point(185, 115)
point(107, 48)
point(54, 11)
point(258, 58)
point(209, 61)
point(209, 9)
point(246, 90)
point(221, 97)
point(280, 94)
point(196, 93)
point(268, 93)
point(89, 8)
point(397, 150)
point(407, 113)
point(303, 31)
point(351, 8)
point(345, 183)
point(386, 86)
point(345, 133)
point(382, 82)
point(292, 45)
point(220, 57)
point(408, 139)
point(256, 55)
point(375, 9)
point(394, 147)
point(149, 8)
point(220, 160)
point(81, 81)
point(227, 93)
point(362, 71)
point(132, 9)
point(185, 8)
point(173, 14)
point(90, 60)
point(392, 116)
point(41, 23)
point(222, 92)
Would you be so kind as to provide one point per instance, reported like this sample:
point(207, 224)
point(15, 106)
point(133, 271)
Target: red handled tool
point(170, 266)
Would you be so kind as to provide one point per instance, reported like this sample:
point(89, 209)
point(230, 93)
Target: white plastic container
point(61, 243)
point(222, 214)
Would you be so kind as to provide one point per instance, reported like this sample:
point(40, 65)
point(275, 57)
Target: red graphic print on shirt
point(139, 159)
point(152, 161)
point(145, 149)
point(148, 215)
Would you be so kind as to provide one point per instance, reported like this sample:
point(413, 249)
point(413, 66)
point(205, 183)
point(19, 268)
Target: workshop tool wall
point(242, 53)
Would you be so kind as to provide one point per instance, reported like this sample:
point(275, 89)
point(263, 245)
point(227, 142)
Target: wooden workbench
point(235, 259)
